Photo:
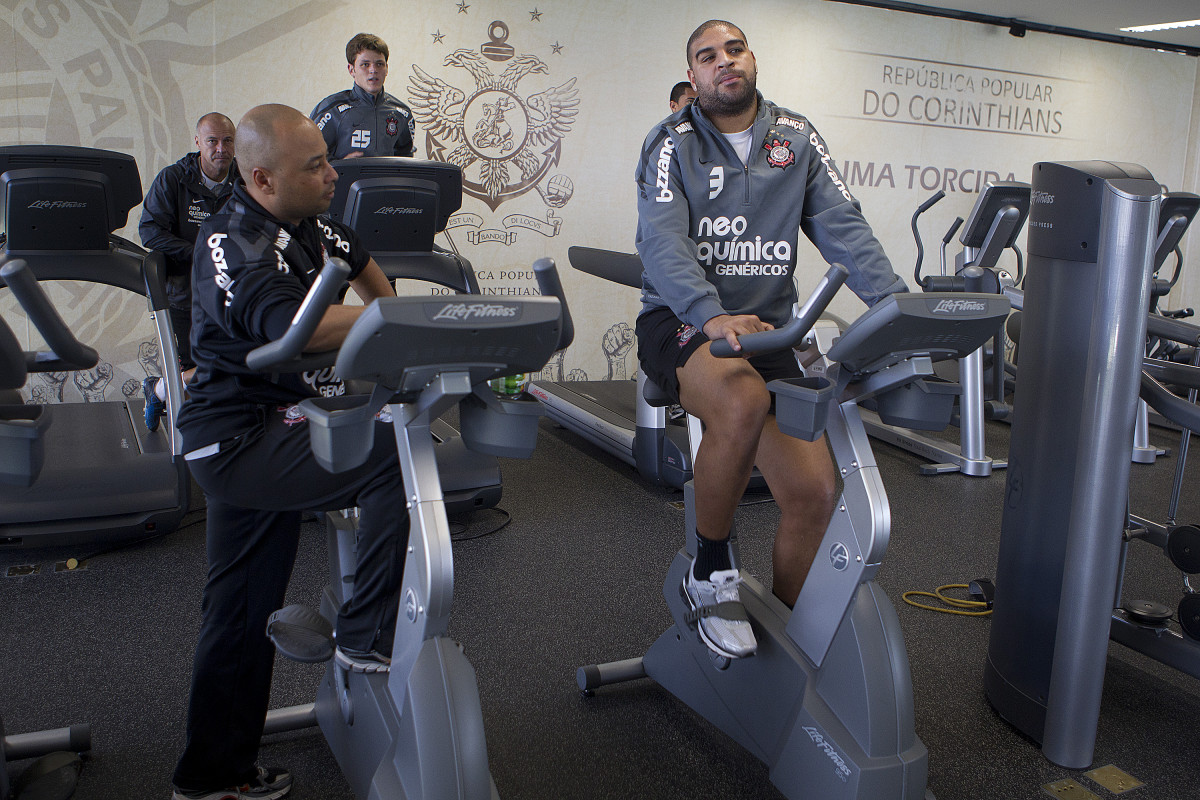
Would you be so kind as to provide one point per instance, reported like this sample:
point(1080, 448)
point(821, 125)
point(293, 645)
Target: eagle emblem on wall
point(504, 143)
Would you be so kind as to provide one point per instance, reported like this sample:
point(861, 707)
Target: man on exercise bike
point(723, 191)
point(248, 448)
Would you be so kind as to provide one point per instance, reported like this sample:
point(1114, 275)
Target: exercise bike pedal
point(718, 661)
point(1147, 612)
point(301, 634)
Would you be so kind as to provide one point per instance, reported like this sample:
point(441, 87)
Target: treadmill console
point(396, 204)
point(61, 198)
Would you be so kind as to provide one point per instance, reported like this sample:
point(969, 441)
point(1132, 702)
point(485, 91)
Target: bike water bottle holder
point(924, 404)
point(802, 406)
point(341, 430)
point(504, 428)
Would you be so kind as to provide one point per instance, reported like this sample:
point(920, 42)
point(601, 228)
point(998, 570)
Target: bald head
point(213, 118)
point(282, 159)
point(262, 133)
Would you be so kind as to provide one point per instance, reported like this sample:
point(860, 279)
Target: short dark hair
point(365, 41)
point(678, 89)
point(704, 28)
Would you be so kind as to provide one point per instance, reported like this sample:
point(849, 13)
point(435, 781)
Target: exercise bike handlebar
point(67, 352)
point(287, 351)
point(793, 333)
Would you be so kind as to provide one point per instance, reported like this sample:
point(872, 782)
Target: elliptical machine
point(826, 701)
point(416, 731)
point(1175, 214)
point(992, 227)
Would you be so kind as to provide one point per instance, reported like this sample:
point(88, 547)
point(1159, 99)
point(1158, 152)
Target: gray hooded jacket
point(718, 237)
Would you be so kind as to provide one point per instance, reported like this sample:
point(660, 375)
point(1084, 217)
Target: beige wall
point(134, 76)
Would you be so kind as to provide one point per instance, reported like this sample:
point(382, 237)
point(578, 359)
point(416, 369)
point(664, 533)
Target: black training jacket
point(357, 121)
point(174, 208)
point(249, 276)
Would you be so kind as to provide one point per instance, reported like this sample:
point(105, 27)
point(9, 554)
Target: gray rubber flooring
point(575, 578)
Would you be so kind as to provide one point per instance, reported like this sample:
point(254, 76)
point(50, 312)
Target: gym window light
point(1162, 26)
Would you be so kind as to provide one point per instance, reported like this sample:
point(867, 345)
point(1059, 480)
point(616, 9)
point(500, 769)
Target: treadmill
point(614, 415)
point(106, 478)
point(396, 206)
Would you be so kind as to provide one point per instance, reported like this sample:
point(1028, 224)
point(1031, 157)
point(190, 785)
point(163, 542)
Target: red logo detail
point(292, 415)
point(393, 125)
point(779, 154)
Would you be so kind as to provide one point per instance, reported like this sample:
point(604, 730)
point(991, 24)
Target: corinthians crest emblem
point(504, 143)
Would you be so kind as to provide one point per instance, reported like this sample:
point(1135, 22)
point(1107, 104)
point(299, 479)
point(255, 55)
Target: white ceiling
point(1095, 16)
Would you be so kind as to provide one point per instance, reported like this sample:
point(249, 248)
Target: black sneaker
point(361, 661)
point(271, 783)
point(155, 408)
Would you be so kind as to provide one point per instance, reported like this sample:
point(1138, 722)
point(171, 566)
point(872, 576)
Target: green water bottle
point(510, 385)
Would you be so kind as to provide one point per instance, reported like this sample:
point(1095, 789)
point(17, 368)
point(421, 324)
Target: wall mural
point(511, 91)
point(505, 117)
point(102, 73)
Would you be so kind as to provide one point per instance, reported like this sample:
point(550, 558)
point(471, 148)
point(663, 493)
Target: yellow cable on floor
point(950, 601)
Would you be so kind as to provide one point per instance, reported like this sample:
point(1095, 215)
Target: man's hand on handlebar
point(729, 327)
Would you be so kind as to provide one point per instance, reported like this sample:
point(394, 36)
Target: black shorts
point(665, 344)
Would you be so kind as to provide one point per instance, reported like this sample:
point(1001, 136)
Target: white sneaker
point(717, 607)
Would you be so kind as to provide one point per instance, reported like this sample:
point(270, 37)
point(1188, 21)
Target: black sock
point(711, 556)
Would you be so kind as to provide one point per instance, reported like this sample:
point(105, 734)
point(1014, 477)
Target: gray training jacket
point(716, 237)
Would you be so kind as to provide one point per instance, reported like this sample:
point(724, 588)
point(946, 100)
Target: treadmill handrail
point(793, 333)
point(550, 285)
point(623, 268)
point(66, 352)
point(154, 277)
point(120, 266)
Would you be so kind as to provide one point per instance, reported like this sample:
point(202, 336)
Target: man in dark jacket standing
point(725, 186)
point(247, 445)
point(181, 197)
point(365, 120)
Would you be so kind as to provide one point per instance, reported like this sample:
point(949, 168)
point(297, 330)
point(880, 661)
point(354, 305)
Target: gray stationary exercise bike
point(416, 731)
point(826, 701)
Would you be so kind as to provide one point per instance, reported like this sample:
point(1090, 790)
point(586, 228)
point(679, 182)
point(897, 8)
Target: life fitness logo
point(959, 307)
point(839, 557)
point(463, 312)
